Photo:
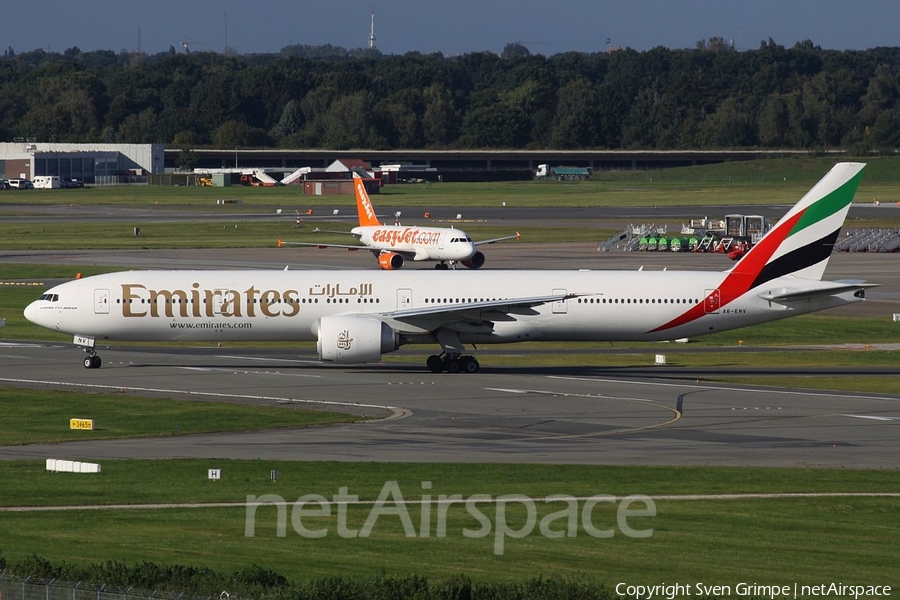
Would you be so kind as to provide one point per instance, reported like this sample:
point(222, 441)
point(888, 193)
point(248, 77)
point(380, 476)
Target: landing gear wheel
point(468, 364)
point(453, 365)
point(435, 363)
point(92, 362)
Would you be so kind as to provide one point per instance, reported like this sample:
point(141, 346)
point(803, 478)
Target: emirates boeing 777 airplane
point(356, 316)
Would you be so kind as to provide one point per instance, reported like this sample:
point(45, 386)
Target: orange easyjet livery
point(393, 245)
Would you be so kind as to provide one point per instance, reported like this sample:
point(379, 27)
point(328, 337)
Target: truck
point(47, 182)
point(563, 173)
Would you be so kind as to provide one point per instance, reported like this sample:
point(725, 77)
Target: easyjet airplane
point(356, 316)
point(392, 245)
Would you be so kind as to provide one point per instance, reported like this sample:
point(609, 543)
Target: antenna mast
point(372, 31)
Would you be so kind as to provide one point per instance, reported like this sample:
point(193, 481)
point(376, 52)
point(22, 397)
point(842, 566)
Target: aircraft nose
point(34, 314)
point(31, 313)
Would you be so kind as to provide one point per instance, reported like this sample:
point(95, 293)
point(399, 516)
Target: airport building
point(95, 164)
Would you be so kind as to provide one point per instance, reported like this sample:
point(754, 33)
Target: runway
point(506, 415)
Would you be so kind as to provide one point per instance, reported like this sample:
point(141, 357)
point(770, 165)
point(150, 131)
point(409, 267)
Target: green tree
point(441, 120)
point(291, 121)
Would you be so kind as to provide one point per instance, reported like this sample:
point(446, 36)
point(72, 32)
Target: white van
point(47, 182)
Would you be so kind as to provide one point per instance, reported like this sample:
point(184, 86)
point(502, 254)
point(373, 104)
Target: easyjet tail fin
point(363, 205)
point(801, 242)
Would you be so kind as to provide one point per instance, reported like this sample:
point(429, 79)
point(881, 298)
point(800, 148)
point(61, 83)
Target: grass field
point(773, 181)
point(42, 416)
point(717, 541)
point(767, 540)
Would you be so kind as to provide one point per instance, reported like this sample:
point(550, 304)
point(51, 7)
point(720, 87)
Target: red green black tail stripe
point(758, 266)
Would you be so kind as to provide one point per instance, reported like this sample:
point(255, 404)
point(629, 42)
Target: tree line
point(708, 97)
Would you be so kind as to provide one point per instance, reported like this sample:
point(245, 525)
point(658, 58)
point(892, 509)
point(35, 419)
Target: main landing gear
point(452, 363)
point(452, 358)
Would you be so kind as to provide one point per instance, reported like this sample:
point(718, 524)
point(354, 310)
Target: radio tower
point(372, 31)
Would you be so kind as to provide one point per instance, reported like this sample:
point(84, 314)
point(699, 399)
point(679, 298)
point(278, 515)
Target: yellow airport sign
point(87, 424)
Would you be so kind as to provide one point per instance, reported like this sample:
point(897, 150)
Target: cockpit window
point(49, 297)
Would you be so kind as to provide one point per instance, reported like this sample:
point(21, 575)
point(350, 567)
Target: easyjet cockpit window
point(49, 297)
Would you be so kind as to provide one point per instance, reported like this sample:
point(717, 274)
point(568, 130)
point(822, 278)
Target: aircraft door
point(101, 301)
point(560, 307)
point(712, 302)
point(404, 298)
point(218, 301)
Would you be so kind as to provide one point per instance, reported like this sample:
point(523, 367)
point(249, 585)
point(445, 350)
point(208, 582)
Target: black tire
point(470, 365)
point(89, 362)
point(435, 363)
point(453, 366)
point(96, 362)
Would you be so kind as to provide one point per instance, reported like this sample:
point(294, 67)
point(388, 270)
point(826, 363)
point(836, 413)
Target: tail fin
point(363, 205)
point(801, 242)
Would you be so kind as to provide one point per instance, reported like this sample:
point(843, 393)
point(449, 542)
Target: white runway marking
point(733, 388)
point(872, 417)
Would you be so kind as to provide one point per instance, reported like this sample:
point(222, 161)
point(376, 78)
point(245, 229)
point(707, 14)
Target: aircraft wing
point(318, 230)
point(468, 310)
point(823, 289)
point(499, 239)
point(320, 245)
point(375, 251)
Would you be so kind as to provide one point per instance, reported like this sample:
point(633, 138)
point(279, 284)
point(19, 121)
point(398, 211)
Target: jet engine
point(476, 262)
point(349, 339)
point(390, 261)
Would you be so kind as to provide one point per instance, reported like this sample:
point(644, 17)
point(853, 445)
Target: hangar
point(96, 164)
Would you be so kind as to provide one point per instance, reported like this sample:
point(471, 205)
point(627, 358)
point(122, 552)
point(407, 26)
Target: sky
point(451, 27)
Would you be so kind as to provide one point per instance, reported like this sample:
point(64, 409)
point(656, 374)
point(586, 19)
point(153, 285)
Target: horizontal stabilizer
point(823, 289)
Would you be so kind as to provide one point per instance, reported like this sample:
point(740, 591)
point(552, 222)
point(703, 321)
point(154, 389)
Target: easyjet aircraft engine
point(349, 339)
point(390, 261)
point(476, 262)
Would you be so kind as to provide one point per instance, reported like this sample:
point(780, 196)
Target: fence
point(13, 587)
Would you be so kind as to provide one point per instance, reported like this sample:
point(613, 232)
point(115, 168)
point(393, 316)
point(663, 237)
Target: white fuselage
point(426, 243)
point(286, 305)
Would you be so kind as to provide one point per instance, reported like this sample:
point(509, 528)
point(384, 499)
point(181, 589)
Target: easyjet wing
point(499, 239)
point(321, 245)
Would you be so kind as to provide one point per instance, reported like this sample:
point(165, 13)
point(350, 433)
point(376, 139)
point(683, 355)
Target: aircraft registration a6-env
point(357, 316)
point(393, 245)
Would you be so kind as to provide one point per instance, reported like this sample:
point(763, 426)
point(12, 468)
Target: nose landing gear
point(91, 361)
